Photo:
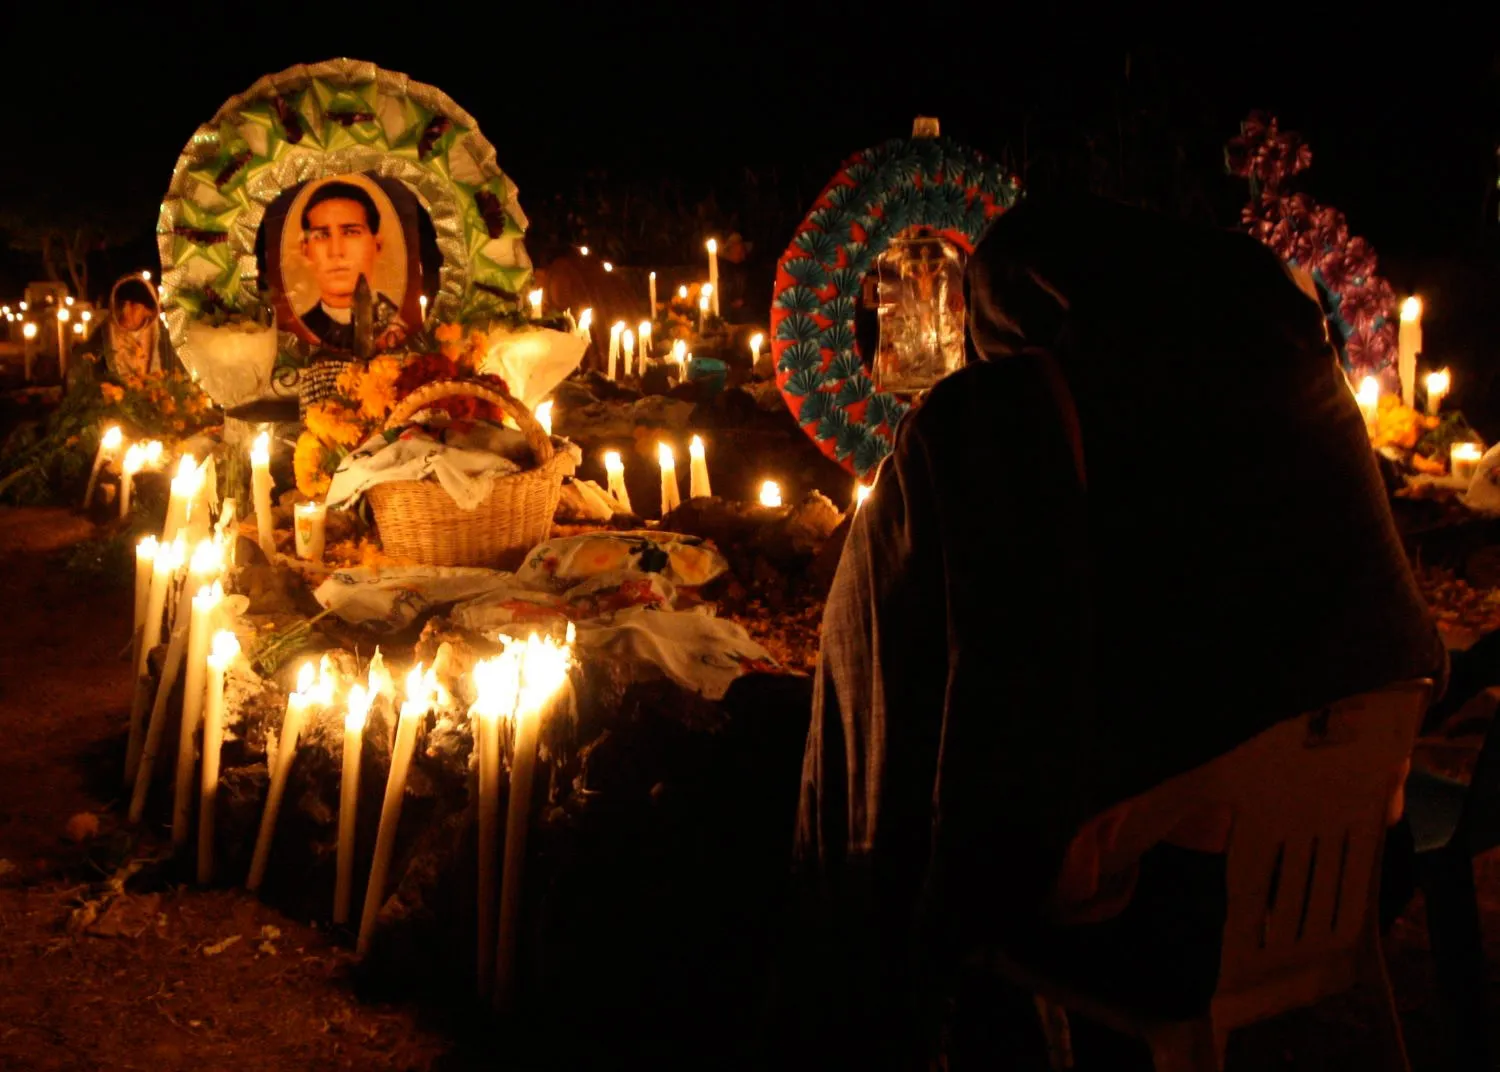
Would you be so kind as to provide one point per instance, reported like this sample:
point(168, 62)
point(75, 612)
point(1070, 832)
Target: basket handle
point(537, 439)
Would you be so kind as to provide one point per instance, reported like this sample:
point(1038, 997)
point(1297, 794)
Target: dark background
point(639, 129)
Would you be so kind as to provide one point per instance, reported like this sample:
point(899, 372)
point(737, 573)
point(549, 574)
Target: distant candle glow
point(608, 267)
point(861, 493)
point(770, 493)
point(583, 251)
point(68, 301)
point(62, 314)
point(756, 342)
point(153, 453)
point(422, 301)
point(85, 316)
point(28, 330)
point(682, 292)
point(112, 438)
point(585, 321)
point(1438, 384)
point(146, 276)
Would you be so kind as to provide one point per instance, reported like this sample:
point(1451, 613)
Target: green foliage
point(109, 562)
point(1452, 429)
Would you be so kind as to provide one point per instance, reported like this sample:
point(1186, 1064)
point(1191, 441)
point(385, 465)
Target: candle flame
point(585, 321)
point(260, 450)
point(679, 351)
point(695, 448)
point(381, 683)
point(644, 330)
point(154, 451)
point(189, 478)
point(544, 415)
point(306, 675)
point(1466, 452)
point(682, 292)
point(627, 340)
point(207, 598)
point(708, 290)
point(617, 327)
point(86, 316)
point(1438, 382)
point(544, 669)
point(583, 251)
point(420, 686)
point(29, 330)
point(207, 559)
point(703, 303)
point(62, 315)
point(653, 275)
point(712, 245)
point(497, 682)
point(1369, 391)
point(665, 455)
point(359, 707)
point(135, 459)
point(612, 462)
point(113, 437)
point(570, 634)
point(756, 342)
point(145, 551)
point(535, 298)
point(861, 493)
point(224, 650)
point(1411, 309)
point(608, 267)
point(770, 493)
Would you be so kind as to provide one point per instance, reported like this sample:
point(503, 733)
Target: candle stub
point(1464, 459)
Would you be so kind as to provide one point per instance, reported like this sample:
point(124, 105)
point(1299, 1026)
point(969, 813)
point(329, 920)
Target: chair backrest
point(1310, 799)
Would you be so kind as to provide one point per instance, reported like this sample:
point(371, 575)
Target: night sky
point(1403, 130)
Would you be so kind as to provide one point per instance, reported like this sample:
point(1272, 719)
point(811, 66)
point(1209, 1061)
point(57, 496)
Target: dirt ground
point(169, 976)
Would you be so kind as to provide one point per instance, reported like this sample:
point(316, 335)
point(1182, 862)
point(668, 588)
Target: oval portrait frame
point(319, 120)
point(876, 194)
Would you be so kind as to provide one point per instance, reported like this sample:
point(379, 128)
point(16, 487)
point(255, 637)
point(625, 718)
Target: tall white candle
point(1437, 389)
point(627, 346)
point(135, 461)
point(543, 672)
point(615, 331)
point(354, 742)
point(164, 567)
point(310, 520)
point(651, 294)
point(419, 691)
point(224, 531)
point(671, 498)
point(260, 486)
point(756, 342)
point(679, 357)
point(109, 446)
point(222, 654)
point(1368, 397)
point(496, 682)
point(185, 487)
point(698, 486)
point(205, 614)
point(586, 324)
point(1408, 346)
point(702, 310)
point(203, 569)
point(713, 271)
point(145, 561)
point(614, 471)
point(643, 332)
point(297, 705)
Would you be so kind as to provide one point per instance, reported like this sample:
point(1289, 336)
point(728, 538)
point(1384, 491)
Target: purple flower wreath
point(1315, 238)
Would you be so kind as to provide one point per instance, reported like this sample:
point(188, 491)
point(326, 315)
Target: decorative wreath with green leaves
point(335, 118)
point(878, 193)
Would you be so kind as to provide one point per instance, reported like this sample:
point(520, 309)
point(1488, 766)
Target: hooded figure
point(1143, 527)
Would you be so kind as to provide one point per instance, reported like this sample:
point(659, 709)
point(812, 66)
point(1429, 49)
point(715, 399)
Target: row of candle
point(1463, 457)
point(708, 300)
point(145, 454)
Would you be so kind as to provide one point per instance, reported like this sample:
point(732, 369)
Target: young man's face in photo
point(341, 247)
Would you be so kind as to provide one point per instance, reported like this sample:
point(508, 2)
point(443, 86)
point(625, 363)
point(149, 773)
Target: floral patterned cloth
point(680, 559)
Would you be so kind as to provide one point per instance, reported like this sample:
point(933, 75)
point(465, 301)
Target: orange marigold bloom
point(307, 463)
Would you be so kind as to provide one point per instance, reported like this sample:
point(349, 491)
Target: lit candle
point(109, 445)
point(205, 612)
point(153, 455)
point(682, 292)
point(164, 566)
point(770, 493)
point(297, 706)
point(145, 563)
point(608, 267)
point(615, 331)
point(697, 470)
point(713, 272)
point(260, 486)
point(419, 690)
point(680, 355)
point(643, 332)
point(1463, 458)
point(651, 293)
point(614, 470)
point(702, 311)
point(360, 699)
point(583, 251)
point(585, 323)
point(544, 415)
point(756, 342)
point(861, 493)
point(1437, 387)
point(135, 461)
point(422, 301)
point(311, 519)
point(543, 672)
point(185, 487)
point(627, 346)
point(1368, 397)
point(670, 498)
point(496, 682)
point(1408, 346)
point(224, 531)
point(146, 276)
point(535, 299)
point(202, 570)
point(224, 651)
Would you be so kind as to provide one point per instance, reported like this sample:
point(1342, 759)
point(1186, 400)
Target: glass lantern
point(919, 312)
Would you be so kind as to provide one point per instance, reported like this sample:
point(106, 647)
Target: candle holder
point(1463, 459)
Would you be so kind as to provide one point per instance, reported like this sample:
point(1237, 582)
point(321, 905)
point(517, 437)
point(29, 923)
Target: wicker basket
point(417, 519)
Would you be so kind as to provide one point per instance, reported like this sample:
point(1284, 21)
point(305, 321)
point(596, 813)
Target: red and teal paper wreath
point(916, 182)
